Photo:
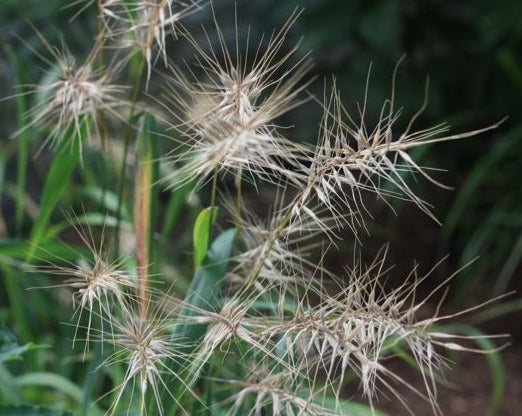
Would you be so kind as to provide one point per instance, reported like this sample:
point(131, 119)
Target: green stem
point(212, 203)
point(143, 410)
point(239, 200)
point(128, 133)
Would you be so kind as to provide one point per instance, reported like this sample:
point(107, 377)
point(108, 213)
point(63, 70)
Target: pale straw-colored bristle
point(353, 158)
point(144, 25)
point(279, 393)
point(151, 353)
point(97, 285)
point(72, 98)
point(352, 328)
point(228, 116)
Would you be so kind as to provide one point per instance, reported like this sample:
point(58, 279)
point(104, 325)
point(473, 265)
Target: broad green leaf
point(56, 181)
point(9, 348)
point(203, 294)
point(201, 234)
point(30, 411)
point(206, 284)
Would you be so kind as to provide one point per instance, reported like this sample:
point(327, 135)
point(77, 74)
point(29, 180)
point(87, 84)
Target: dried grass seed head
point(228, 116)
point(351, 329)
point(279, 393)
point(146, 345)
point(352, 158)
point(144, 25)
point(98, 285)
point(278, 251)
point(71, 95)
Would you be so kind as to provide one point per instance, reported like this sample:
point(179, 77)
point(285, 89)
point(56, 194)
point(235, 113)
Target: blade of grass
point(56, 181)
point(203, 294)
point(201, 234)
point(23, 138)
point(507, 144)
point(495, 362)
point(144, 205)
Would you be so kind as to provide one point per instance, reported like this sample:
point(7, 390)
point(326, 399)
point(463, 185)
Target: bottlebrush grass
point(282, 330)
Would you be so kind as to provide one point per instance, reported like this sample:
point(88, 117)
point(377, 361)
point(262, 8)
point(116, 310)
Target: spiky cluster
point(228, 115)
point(73, 98)
point(149, 352)
point(143, 25)
point(302, 327)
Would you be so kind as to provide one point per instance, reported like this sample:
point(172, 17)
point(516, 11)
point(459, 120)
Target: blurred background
point(472, 53)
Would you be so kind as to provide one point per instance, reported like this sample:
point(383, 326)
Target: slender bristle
point(228, 117)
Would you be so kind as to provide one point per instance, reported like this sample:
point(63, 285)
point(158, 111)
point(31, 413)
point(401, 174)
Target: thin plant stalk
point(137, 81)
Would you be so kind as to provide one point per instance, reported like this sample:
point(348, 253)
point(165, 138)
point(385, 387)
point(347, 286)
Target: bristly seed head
point(352, 158)
point(228, 118)
point(148, 30)
point(150, 353)
point(70, 94)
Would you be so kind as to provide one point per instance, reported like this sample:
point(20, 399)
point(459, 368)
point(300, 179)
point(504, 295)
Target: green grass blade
point(203, 294)
point(23, 139)
point(16, 302)
point(509, 143)
point(30, 411)
point(495, 362)
point(201, 234)
point(18, 250)
point(56, 181)
point(52, 381)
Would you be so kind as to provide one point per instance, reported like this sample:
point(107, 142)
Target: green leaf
point(30, 411)
point(349, 408)
point(203, 294)
point(23, 137)
point(56, 181)
point(9, 348)
point(201, 234)
point(20, 249)
point(495, 362)
point(53, 381)
point(469, 191)
point(206, 284)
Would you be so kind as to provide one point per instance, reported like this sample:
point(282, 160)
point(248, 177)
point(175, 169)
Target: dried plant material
point(149, 351)
point(96, 283)
point(353, 328)
point(279, 393)
point(71, 95)
point(228, 118)
point(144, 25)
point(352, 158)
